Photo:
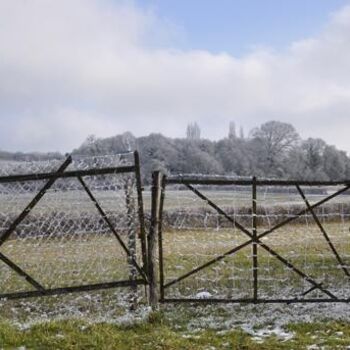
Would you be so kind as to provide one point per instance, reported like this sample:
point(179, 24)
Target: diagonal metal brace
point(111, 227)
point(219, 210)
point(245, 244)
point(331, 245)
point(263, 245)
point(34, 202)
point(304, 211)
point(309, 290)
point(21, 272)
point(208, 263)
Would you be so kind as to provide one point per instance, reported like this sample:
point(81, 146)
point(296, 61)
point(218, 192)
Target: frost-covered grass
point(100, 320)
point(159, 334)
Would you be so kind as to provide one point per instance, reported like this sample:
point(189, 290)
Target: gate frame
point(159, 189)
point(78, 174)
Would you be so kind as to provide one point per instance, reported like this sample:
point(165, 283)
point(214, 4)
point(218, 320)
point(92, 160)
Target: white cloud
point(70, 68)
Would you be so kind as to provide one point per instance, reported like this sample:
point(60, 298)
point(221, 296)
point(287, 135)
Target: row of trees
point(272, 150)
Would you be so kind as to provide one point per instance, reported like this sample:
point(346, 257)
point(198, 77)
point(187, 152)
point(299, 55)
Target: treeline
point(34, 156)
point(272, 150)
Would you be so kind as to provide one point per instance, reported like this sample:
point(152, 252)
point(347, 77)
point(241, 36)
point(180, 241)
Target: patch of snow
point(190, 336)
point(258, 340)
point(267, 332)
point(203, 295)
point(312, 347)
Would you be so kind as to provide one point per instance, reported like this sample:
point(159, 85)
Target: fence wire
point(306, 259)
point(65, 241)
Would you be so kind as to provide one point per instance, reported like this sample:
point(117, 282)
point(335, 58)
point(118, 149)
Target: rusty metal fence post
point(131, 243)
point(141, 214)
point(152, 238)
point(255, 246)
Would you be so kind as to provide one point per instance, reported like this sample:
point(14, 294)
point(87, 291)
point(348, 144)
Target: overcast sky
point(71, 68)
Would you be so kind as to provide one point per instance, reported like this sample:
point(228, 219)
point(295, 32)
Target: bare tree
point(273, 140)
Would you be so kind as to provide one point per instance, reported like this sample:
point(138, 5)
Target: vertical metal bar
point(151, 238)
point(255, 246)
point(139, 188)
point(160, 238)
point(131, 243)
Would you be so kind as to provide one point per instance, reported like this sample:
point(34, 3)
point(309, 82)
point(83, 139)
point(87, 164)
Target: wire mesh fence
point(72, 225)
point(78, 224)
point(228, 240)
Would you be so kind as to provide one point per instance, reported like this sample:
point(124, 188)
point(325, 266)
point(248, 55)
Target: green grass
point(158, 334)
point(170, 329)
point(90, 258)
point(62, 261)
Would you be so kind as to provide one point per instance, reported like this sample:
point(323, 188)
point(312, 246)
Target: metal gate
point(221, 240)
point(74, 228)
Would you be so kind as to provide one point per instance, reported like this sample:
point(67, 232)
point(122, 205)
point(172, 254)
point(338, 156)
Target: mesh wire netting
point(195, 233)
point(64, 241)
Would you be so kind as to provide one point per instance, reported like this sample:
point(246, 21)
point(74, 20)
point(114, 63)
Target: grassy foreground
point(157, 334)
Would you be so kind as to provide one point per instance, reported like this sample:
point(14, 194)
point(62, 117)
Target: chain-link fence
point(71, 225)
